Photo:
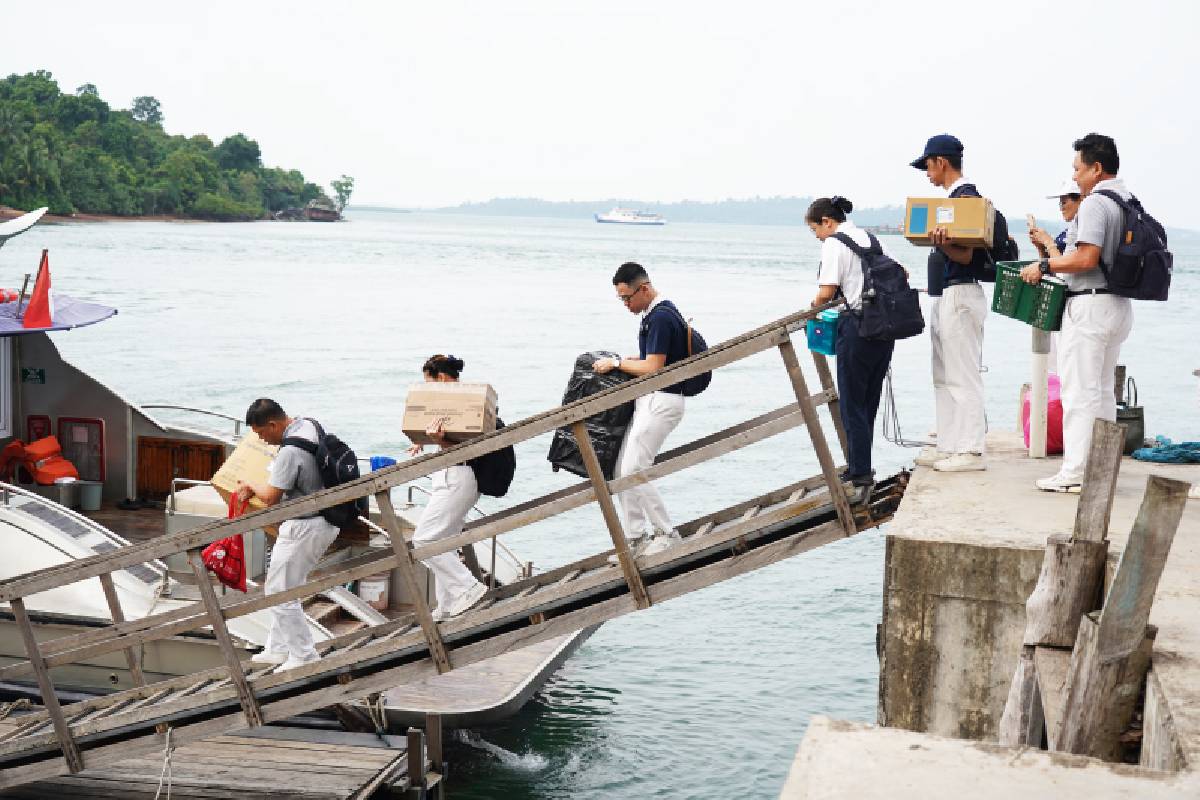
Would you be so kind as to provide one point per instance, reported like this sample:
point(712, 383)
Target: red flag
point(39, 312)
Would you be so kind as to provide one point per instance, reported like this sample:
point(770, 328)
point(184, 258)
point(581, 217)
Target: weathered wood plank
point(835, 405)
point(1052, 665)
point(408, 574)
point(800, 386)
point(62, 731)
point(1127, 607)
point(611, 521)
point(1099, 481)
point(1023, 720)
point(225, 641)
point(767, 336)
point(1068, 587)
point(118, 616)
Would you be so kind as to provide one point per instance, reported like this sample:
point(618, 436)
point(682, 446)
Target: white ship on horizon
point(627, 216)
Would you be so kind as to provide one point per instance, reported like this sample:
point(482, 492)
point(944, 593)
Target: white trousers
point(956, 337)
point(454, 493)
point(1093, 329)
point(300, 545)
point(655, 415)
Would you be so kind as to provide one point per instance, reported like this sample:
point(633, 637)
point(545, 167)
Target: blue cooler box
point(822, 333)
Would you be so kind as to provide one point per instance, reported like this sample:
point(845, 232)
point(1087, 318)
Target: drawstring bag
point(226, 558)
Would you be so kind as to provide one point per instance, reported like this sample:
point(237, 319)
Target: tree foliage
point(342, 189)
point(75, 153)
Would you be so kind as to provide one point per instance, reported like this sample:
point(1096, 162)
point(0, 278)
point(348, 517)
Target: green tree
point(342, 187)
point(238, 153)
point(147, 109)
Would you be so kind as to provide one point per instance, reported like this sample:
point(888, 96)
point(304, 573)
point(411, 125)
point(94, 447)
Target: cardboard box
point(466, 410)
point(249, 461)
point(969, 220)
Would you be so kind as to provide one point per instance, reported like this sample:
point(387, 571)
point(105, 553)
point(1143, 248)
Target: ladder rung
point(706, 528)
point(528, 590)
point(796, 495)
point(488, 603)
point(750, 512)
point(100, 713)
point(570, 576)
point(195, 687)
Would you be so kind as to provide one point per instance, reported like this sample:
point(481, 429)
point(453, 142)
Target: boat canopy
point(68, 313)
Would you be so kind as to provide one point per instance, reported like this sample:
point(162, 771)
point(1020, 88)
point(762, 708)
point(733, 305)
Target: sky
point(434, 104)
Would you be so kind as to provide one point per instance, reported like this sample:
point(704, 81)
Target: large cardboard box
point(249, 461)
point(969, 220)
point(465, 409)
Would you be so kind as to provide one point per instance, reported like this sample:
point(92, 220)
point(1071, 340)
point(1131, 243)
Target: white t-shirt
point(841, 267)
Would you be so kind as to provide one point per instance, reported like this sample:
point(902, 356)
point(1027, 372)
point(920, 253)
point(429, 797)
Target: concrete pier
point(963, 554)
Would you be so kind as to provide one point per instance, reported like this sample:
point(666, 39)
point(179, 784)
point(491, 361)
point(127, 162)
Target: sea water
point(705, 696)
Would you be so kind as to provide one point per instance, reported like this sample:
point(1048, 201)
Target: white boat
point(627, 216)
point(168, 453)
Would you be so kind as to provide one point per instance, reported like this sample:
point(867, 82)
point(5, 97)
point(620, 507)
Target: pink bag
point(1054, 415)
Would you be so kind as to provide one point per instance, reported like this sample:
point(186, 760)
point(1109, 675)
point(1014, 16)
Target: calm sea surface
point(705, 696)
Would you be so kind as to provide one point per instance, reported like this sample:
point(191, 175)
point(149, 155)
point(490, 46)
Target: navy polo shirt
point(663, 332)
point(979, 256)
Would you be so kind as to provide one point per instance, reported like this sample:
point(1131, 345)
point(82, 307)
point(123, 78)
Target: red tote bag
point(226, 558)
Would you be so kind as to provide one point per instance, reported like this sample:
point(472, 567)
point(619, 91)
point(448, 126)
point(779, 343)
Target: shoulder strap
point(962, 191)
point(855, 248)
point(305, 444)
point(686, 323)
point(1116, 198)
point(862, 252)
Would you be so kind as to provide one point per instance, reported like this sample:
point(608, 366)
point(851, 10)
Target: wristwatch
point(1044, 266)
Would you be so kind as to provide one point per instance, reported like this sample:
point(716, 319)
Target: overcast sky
point(436, 103)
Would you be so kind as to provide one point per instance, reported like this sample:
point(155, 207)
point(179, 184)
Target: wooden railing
point(212, 611)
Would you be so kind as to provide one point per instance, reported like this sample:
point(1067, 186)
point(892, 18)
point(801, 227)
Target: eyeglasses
point(625, 298)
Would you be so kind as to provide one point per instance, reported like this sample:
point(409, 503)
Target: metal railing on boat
point(762, 530)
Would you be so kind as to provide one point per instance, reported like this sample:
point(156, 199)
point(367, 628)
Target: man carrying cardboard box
point(302, 541)
point(956, 324)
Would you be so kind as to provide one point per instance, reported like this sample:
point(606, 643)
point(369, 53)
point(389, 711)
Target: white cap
point(1066, 187)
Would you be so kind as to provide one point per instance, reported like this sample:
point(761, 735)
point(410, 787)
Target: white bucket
point(374, 589)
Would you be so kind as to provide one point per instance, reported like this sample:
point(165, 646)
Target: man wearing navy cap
point(956, 324)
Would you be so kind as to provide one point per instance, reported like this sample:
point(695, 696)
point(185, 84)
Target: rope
point(165, 775)
point(891, 418)
point(8, 708)
point(378, 715)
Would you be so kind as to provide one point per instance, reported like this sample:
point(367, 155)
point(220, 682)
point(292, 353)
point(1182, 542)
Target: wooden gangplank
point(730, 542)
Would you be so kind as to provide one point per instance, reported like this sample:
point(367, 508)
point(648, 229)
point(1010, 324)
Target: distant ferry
point(625, 216)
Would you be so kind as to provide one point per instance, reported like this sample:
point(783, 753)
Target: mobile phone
point(1030, 221)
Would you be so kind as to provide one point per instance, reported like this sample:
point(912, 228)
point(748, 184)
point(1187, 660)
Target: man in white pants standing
point(301, 542)
point(957, 332)
point(1095, 322)
point(662, 340)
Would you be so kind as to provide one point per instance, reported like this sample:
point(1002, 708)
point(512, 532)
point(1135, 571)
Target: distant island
point(753, 211)
point(77, 155)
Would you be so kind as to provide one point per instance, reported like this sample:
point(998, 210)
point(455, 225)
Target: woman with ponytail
point(862, 364)
point(455, 491)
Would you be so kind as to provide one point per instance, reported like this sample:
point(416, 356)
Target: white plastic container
point(374, 590)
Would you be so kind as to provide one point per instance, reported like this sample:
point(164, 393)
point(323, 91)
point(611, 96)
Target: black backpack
point(1142, 267)
point(1004, 247)
point(337, 464)
point(494, 471)
point(696, 384)
point(891, 309)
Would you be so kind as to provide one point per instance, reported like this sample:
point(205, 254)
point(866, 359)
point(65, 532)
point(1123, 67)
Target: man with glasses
point(662, 340)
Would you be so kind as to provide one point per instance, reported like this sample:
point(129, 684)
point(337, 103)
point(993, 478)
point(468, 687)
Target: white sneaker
point(637, 546)
point(467, 600)
point(1060, 483)
point(269, 657)
point(660, 542)
point(930, 456)
point(293, 662)
point(961, 462)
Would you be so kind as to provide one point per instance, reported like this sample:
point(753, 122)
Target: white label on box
point(945, 215)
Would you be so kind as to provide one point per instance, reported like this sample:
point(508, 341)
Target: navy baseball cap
point(941, 145)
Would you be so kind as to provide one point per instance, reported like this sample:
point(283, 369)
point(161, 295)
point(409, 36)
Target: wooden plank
point(1068, 587)
point(118, 616)
point(1052, 664)
point(1099, 481)
point(380, 676)
point(62, 731)
point(416, 757)
point(718, 444)
point(796, 375)
point(433, 736)
point(408, 575)
point(756, 341)
point(628, 568)
point(225, 641)
point(1127, 607)
point(1023, 721)
point(835, 405)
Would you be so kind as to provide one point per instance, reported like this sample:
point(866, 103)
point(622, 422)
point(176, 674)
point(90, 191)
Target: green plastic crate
point(1040, 306)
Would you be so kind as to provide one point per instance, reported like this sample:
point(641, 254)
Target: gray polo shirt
point(1099, 222)
point(295, 470)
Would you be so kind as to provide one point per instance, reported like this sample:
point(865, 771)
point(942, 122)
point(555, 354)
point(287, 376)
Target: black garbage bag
point(606, 429)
